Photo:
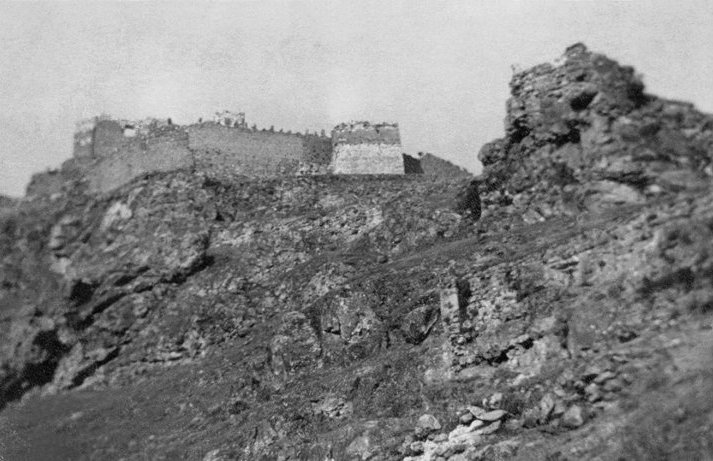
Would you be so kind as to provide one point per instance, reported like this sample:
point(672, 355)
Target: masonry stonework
point(83, 138)
point(166, 150)
point(108, 139)
point(109, 153)
point(241, 143)
point(219, 149)
point(317, 149)
point(363, 148)
point(230, 119)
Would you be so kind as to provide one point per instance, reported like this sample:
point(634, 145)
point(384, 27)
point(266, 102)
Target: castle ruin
point(109, 153)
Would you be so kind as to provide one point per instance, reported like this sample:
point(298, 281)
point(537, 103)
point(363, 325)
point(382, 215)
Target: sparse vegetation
point(673, 423)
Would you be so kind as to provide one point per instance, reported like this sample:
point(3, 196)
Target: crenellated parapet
point(230, 119)
point(361, 132)
point(110, 152)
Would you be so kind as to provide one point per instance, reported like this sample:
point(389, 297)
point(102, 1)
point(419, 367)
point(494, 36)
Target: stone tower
point(363, 148)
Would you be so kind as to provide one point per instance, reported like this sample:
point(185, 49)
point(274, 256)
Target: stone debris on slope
point(462, 440)
point(371, 318)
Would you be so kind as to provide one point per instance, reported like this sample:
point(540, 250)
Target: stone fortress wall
point(364, 148)
point(123, 159)
point(109, 153)
point(219, 149)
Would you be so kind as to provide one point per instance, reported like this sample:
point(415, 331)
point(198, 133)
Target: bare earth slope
point(187, 317)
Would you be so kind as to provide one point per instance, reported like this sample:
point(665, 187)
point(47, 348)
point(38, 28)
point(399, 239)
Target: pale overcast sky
point(440, 69)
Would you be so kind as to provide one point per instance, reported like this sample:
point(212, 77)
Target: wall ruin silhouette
point(109, 153)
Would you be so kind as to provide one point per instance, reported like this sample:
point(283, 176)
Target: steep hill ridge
point(194, 316)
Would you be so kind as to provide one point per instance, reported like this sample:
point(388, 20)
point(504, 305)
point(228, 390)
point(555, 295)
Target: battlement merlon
point(230, 119)
point(361, 132)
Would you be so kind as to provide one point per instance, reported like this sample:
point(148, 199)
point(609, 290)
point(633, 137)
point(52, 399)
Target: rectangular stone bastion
point(364, 148)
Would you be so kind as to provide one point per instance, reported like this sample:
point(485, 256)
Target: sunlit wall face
point(440, 69)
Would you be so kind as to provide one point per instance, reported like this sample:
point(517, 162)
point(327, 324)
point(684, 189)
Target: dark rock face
point(583, 136)
point(468, 201)
point(199, 317)
point(104, 265)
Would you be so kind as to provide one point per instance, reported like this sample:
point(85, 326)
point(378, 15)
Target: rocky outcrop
point(215, 317)
point(111, 262)
point(583, 135)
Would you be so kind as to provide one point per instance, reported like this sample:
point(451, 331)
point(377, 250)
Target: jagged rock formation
point(188, 316)
point(584, 135)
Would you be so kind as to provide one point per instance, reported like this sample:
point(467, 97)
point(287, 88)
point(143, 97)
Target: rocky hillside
point(337, 318)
